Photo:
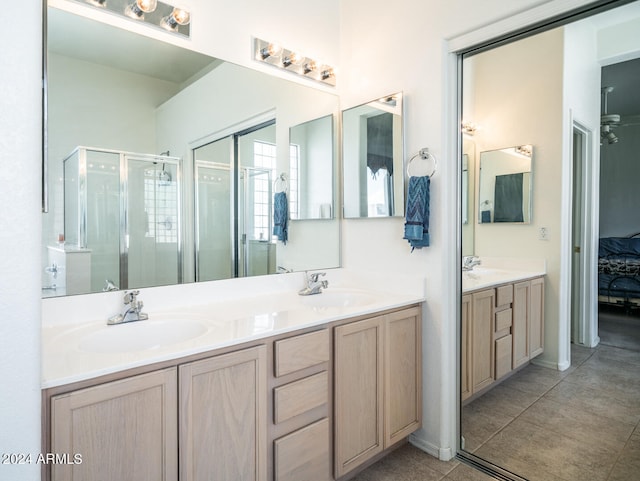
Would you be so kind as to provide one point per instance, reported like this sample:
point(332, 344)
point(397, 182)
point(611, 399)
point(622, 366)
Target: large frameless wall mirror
point(527, 410)
point(505, 185)
point(372, 150)
point(157, 159)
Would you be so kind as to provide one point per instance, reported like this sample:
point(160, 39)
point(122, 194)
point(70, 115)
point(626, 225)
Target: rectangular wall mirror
point(372, 151)
point(505, 185)
point(161, 161)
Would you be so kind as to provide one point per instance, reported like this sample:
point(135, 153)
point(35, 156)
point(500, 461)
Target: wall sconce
point(151, 12)
point(293, 61)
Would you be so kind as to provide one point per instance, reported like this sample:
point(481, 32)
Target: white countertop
point(76, 351)
point(495, 271)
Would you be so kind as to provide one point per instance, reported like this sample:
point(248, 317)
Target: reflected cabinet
point(502, 329)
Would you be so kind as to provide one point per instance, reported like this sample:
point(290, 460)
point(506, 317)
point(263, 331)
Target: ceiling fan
point(609, 122)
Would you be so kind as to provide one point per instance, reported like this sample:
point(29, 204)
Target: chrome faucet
point(132, 310)
point(314, 286)
point(469, 262)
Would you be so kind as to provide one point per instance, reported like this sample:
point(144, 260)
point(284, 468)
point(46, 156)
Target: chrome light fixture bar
point(151, 12)
point(292, 61)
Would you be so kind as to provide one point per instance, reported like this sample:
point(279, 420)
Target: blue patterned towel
point(416, 226)
point(281, 216)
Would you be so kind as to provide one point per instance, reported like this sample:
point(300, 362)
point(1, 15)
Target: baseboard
point(443, 454)
point(557, 366)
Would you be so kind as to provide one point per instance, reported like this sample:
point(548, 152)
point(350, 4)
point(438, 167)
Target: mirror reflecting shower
point(121, 222)
point(234, 205)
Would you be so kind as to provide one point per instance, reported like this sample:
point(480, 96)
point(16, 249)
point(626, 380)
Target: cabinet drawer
point(300, 352)
point(504, 319)
point(503, 356)
point(304, 454)
point(300, 396)
point(504, 295)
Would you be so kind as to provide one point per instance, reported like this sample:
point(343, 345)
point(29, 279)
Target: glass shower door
point(255, 220)
point(150, 255)
point(103, 217)
point(214, 236)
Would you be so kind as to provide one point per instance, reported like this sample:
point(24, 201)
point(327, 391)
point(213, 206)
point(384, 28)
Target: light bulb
point(147, 6)
point(270, 50)
point(138, 8)
point(294, 58)
point(310, 66)
point(181, 16)
point(178, 17)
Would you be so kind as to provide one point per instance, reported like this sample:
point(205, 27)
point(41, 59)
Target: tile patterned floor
point(577, 425)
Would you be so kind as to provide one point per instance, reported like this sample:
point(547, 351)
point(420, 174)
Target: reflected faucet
point(313, 285)
point(132, 310)
point(469, 262)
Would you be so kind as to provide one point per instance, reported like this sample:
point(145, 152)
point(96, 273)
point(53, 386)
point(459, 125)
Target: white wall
point(20, 161)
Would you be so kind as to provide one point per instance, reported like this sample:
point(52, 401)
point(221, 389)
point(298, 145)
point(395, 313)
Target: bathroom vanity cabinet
point(133, 428)
point(377, 386)
point(313, 404)
point(502, 328)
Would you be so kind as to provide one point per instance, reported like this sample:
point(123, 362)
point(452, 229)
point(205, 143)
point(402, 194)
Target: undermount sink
point(141, 335)
point(338, 298)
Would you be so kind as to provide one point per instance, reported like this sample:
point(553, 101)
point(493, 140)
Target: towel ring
point(280, 184)
point(423, 154)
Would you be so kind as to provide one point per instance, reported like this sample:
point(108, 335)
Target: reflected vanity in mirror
point(180, 154)
point(505, 185)
point(311, 169)
point(372, 150)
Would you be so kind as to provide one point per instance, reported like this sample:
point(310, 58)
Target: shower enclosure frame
point(124, 157)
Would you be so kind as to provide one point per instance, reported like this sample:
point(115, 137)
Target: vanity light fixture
point(293, 61)
point(156, 13)
point(526, 150)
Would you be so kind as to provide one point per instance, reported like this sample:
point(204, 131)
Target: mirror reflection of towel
point(416, 227)
point(508, 198)
point(281, 216)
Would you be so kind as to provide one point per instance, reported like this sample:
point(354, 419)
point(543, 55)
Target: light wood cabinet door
point(304, 454)
point(358, 393)
point(223, 417)
point(536, 319)
point(482, 345)
point(521, 313)
point(124, 430)
point(403, 373)
point(465, 348)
